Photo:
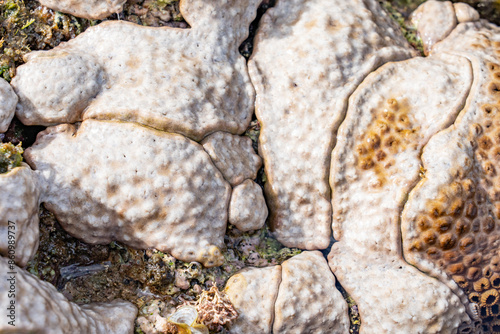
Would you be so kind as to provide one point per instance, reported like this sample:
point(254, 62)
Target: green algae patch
point(10, 157)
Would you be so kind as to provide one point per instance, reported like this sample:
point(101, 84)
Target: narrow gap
point(246, 48)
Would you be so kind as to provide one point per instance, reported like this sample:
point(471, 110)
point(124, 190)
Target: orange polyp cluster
point(459, 230)
point(389, 133)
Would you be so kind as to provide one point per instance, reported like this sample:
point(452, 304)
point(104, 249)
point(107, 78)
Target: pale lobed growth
point(233, 155)
point(114, 71)
point(8, 101)
point(89, 9)
point(109, 180)
point(297, 297)
point(309, 57)
point(19, 201)
point(450, 222)
point(391, 116)
point(247, 207)
point(39, 308)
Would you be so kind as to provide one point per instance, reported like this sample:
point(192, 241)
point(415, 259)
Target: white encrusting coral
point(8, 101)
point(309, 57)
point(247, 208)
point(19, 201)
point(32, 306)
point(298, 297)
point(115, 71)
point(89, 9)
point(108, 180)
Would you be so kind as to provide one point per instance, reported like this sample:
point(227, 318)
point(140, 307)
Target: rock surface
point(89, 9)
point(117, 181)
point(308, 301)
point(309, 57)
point(202, 78)
point(8, 101)
point(19, 201)
point(233, 155)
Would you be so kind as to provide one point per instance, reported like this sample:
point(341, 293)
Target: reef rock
point(19, 202)
point(450, 222)
point(391, 116)
point(8, 101)
point(109, 180)
point(299, 297)
point(309, 57)
point(39, 308)
point(189, 81)
point(233, 155)
point(247, 208)
point(89, 9)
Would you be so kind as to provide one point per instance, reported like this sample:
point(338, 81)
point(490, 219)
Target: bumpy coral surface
point(19, 201)
point(253, 293)
point(435, 21)
point(324, 52)
point(233, 155)
point(8, 101)
point(203, 80)
point(37, 307)
point(391, 116)
point(117, 181)
point(450, 221)
point(297, 297)
point(247, 208)
point(90, 9)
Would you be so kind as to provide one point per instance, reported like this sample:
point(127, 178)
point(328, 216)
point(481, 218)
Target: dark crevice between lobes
point(246, 48)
